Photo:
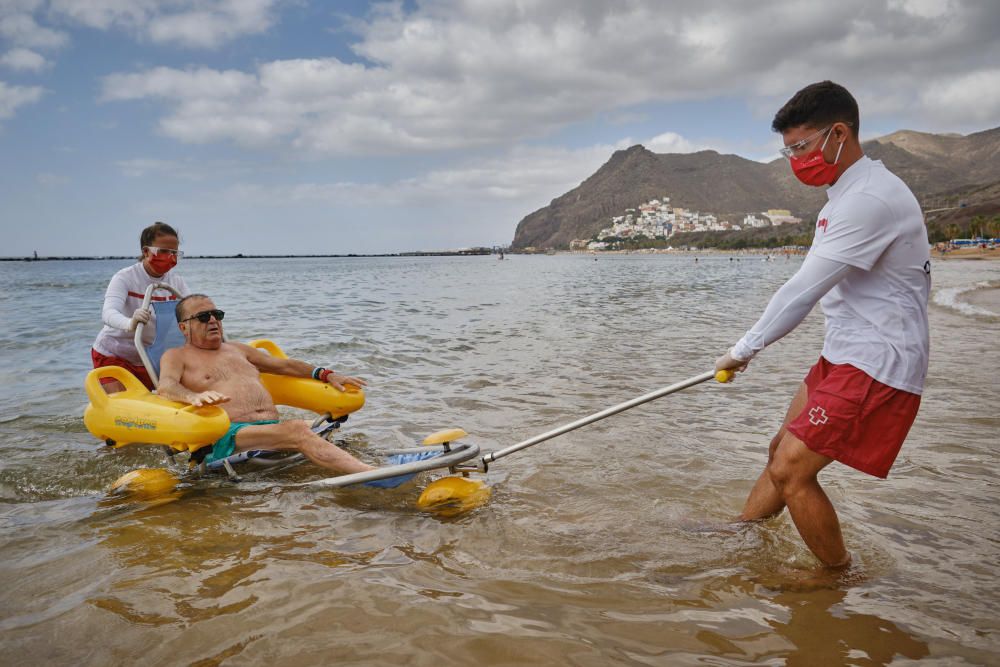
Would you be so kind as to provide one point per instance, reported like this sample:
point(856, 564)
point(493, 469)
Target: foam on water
point(950, 297)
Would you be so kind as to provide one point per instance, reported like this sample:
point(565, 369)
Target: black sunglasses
point(206, 315)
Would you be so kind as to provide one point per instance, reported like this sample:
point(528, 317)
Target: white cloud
point(12, 97)
point(105, 14)
point(21, 29)
point(452, 75)
point(923, 8)
point(969, 98)
point(190, 23)
point(522, 177)
point(671, 142)
point(211, 24)
point(204, 85)
point(24, 60)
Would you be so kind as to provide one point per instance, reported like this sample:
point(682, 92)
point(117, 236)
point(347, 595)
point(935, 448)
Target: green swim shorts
point(225, 445)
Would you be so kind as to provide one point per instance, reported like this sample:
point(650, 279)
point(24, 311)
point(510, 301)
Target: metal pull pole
point(597, 416)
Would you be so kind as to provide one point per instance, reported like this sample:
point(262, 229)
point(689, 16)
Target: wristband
point(324, 374)
point(316, 372)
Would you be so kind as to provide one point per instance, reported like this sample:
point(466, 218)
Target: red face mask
point(812, 169)
point(162, 262)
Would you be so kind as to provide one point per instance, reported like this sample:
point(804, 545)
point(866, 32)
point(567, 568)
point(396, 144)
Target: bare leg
point(764, 500)
point(296, 436)
point(793, 472)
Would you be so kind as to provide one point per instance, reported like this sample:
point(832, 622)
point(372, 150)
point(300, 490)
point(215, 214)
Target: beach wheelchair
point(139, 416)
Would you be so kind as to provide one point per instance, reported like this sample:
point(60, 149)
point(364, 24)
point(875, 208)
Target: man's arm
point(171, 371)
point(787, 308)
point(266, 363)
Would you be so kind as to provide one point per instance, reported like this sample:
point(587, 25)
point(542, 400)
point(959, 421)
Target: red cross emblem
point(821, 224)
point(817, 416)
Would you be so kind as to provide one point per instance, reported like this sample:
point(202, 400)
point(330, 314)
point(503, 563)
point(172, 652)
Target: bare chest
point(206, 370)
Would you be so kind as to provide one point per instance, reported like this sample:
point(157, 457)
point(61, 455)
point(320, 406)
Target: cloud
point(21, 29)
point(203, 24)
point(106, 14)
point(209, 25)
point(451, 75)
point(521, 177)
point(969, 98)
point(12, 97)
point(24, 60)
point(671, 142)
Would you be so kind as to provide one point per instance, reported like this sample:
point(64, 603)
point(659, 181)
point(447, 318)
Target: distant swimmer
point(209, 371)
point(869, 269)
point(122, 312)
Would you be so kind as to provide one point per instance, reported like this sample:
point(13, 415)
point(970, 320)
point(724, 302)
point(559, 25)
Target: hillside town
point(657, 219)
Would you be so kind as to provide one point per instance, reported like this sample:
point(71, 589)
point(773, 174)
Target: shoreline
point(87, 258)
point(760, 252)
point(971, 254)
point(974, 254)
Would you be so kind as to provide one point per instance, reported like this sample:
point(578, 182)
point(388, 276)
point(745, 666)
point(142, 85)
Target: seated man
point(208, 371)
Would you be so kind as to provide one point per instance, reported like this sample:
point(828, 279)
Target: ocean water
point(606, 546)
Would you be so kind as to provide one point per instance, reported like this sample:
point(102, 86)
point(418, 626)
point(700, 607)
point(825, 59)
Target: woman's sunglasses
point(206, 315)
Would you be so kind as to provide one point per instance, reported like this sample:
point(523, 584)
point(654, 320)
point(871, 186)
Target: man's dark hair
point(150, 233)
point(180, 304)
point(818, 105)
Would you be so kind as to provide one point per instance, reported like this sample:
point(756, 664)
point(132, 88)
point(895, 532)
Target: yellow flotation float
point(306, 393)
point(137, 415)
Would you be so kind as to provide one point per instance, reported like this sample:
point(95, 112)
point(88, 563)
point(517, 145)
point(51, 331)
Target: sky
point(289, 126)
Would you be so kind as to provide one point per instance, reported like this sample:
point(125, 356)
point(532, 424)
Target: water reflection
point(824, 631)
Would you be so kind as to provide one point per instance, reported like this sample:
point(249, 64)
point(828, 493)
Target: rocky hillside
point(731, 186)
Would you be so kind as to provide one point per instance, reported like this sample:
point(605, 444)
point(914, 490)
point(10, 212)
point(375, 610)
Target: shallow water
point(608, 545)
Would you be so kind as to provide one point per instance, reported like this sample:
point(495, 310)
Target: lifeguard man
point(869, 267)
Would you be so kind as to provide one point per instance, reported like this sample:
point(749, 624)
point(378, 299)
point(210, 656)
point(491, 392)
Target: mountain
point(731, 186)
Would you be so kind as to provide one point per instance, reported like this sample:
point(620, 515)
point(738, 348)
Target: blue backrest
point(168, 335)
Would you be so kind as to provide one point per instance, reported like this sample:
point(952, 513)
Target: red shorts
point(853, 418)
point(139, 371)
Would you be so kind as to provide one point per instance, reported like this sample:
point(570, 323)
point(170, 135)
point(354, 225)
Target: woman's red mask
point(161, 261)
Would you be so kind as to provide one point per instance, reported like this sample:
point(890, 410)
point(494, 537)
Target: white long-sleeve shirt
point(123, 297)
point(869, 266)
point(791, 303)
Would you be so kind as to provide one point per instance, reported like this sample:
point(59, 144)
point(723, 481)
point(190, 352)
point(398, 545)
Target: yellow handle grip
point(96, 392)
point(725, 376)
point(268, 346)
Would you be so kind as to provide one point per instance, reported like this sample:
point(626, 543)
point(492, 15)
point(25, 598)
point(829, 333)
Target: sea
point(609, 545)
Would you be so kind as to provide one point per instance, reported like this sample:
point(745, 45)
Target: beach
point(968, 254)
point(610, 545)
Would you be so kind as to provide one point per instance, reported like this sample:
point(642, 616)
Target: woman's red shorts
point(140, 372)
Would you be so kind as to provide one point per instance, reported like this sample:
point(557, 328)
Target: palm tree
point(977, 224)
point(994, 227)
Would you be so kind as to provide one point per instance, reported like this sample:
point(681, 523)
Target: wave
point(952, 298)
